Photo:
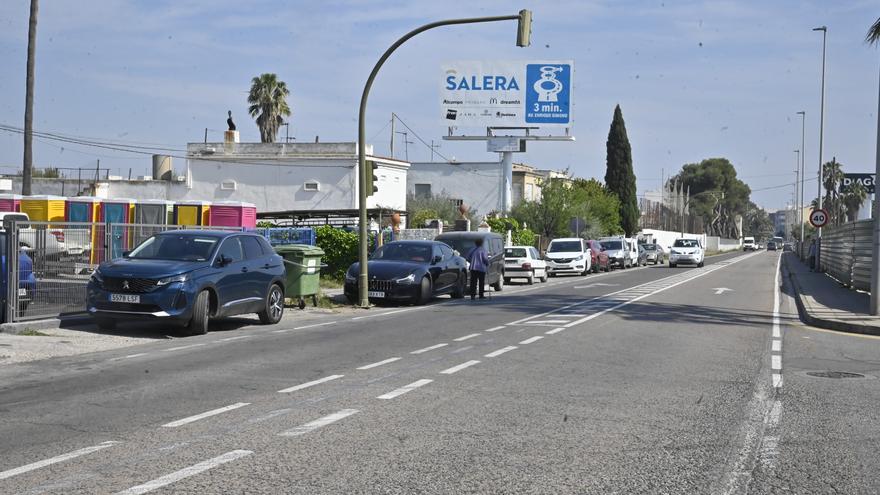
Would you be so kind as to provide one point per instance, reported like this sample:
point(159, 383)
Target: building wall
point(477, 184)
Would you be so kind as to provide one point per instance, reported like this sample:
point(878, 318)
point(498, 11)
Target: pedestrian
point(479, 262)
point(811, 254)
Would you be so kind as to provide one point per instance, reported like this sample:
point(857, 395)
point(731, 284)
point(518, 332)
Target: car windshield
point(177, 247)
point(515, 253)
point(564, 247)
point(403, 252)
point(649, 247)
point(611, 245)
point(686, 243)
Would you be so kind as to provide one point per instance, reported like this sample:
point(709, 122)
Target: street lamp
point(803, 155)
point(797, 178)
point(872, 38)
point(824, 30)
point(523, 38)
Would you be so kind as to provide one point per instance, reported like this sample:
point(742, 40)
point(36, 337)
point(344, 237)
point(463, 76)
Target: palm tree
point(27, 166)
point(853, 198)
point(873, 35)
point(268, 103)
point(832, 175)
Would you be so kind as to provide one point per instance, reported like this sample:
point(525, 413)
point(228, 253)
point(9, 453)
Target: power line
point(414, 133)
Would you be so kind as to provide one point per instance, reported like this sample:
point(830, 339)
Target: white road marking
point(532, 339)
point(182, 347)
point(404, 389)
point(54, 460)
point(721, 290)
point(554, 331)
point(547, 322)
point(774, 414)
point(227, 339)
point(380, 363)
point(466, 337)
point(462, 349)
point(776, 362)
point(181, 422)
point(318, 423)
point(501, 351)
point(315, 325)
point(310, 384)
point(460, 367)
point(186, 472)
point(777, 334)
point(777, 380)
point(129, 356)
point(431, 348)
point(384, 314)
point(776, 346)
point(502, 327)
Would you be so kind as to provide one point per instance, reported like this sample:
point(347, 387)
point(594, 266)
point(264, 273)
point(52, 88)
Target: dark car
point(463, 242)
point(600, 260)
point(771, 246)
point(188, 277)
point(410, 271)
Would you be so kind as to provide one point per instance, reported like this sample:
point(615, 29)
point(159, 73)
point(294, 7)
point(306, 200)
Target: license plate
point(376, 294)
point(125, 298)
point(22, 292)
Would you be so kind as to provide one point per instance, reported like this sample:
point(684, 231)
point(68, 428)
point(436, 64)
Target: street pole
point(824, 30)
point(524, 18)
point(507, 173)
point(797, 178)
point(875, 260)
point(803, 154)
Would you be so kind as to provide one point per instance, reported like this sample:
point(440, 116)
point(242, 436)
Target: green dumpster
point(303, 264)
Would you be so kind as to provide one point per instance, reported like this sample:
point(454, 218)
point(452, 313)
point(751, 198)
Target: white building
point(476, 184)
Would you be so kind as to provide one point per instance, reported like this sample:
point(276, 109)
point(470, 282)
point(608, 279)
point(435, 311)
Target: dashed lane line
point(206, 414)
point(501, 351)
point(310, 384)
point(470, 336)
point(54, 460)
point(776, 362)
point(429, 348)
point(404, 389)
point(493, 329)
point(554, 331)
point(380, 363)
point(776, 346)
point(459, 367)
point(238, 337)
point(777, 380)
point(186, 472)
point(318, 423)
point(182, 347)
point(532, 339)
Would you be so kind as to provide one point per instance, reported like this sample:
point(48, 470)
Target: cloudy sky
point(695, 79)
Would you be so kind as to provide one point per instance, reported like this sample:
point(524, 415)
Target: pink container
point(233, 214)
point(10, 202)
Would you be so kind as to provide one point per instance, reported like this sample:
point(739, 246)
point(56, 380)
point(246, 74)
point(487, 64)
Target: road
point(647, 380)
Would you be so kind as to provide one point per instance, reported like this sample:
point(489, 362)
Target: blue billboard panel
point(548, 94)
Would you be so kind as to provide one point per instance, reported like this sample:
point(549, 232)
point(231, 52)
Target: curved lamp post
point(522, 39)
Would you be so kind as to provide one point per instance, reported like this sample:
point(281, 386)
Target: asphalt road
point(651, 380)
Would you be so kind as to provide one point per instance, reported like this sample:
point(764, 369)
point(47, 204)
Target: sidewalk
point(823, 302)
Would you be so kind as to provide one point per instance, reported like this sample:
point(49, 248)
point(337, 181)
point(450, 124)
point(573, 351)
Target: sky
point(694, 79)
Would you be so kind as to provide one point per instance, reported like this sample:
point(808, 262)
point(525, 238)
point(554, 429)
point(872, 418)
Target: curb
point(826, 323)
point(47, 324)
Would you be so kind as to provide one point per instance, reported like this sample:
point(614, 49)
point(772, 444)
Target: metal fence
point(845, 253)
point(62, 256)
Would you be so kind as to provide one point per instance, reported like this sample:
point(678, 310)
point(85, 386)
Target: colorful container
point(154, 212)
point(10, 202)
point(118, 212)
point(85, 209)
point(233, 214)
point(44, 208)
point(192, 213)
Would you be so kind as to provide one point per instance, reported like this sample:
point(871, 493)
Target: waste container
point(303, 263)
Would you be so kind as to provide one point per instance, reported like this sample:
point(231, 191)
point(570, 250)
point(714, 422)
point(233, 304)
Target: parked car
point(749, 244)
point(652, 253)
point(598, 259)
point(463, 242)
point(617, 250)
point(189, 277)
point(771, 246)
point(51, 241)
point(524, 262)
point(686, 251)
point(788, 246)
point(410, 271)
point(569, 255)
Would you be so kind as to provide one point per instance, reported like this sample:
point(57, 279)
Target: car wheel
point(425, 291)
point(552, 274)
point(544, 278)
point(700, 265)
point(105, 323)
point(201, 314)
point(499, 285)
point(460, 286)
point(531, 279)
point(274, 308)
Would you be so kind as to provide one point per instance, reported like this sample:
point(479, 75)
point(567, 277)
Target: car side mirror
point(436, 259)
point(456, 253)
point(125, 254)
point(223, 260)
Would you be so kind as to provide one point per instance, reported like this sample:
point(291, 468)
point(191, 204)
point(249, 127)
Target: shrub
point(340, 249)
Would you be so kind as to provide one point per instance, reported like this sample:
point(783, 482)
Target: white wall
point(478, 184)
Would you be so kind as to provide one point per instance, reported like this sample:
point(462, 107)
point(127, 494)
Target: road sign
point(818, 218)
point(507, 93)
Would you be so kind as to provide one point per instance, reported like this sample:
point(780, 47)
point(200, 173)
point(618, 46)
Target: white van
point(749, 244)
point(622, 252)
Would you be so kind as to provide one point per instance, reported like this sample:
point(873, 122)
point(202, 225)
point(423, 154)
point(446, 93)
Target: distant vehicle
point(651, 253)
point(568, 255)
point(686, 251)
point(598, 259)
point(411, 271)
point(749, 244)
point(524, 262)
point(618, 251)
point(771, 246)
point(632, 246)
point(189, 277)
point(52, 241)
point(463, 242)
point(788, 246)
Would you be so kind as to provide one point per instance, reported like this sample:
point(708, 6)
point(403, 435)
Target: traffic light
point(371, 178)
point(524, 29)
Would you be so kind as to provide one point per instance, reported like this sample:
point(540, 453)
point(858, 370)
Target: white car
point(524, 262)
point(619, 251)
point(686, 252)
point(568, 255)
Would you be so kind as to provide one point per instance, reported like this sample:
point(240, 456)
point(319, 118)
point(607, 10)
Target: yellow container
point(44, 208)
point(192, 213)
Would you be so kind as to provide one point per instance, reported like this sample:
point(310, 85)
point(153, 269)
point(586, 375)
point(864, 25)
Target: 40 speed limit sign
point(818, 218)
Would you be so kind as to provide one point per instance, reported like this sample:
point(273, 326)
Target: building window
point(422, 190)
point(312, 186)
point(530, 195)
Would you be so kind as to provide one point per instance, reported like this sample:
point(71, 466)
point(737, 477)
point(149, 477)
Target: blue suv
point(187, 277)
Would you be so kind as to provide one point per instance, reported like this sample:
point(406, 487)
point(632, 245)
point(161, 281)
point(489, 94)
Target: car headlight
point(407, 279)
point(96, 277)
point(673, 252)
point(349, 278)
point(171, 280)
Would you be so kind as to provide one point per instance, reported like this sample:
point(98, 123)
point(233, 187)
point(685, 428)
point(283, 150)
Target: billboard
point(507, 93)
point(866, 180)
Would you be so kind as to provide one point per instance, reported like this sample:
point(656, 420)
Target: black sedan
point(410, 271)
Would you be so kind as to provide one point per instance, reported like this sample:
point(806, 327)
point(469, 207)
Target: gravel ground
point(59, 342)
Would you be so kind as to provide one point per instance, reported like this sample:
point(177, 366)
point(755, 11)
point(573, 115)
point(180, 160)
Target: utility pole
point(406, 143)
point(824, 30)
point(797, 176)
point(803, 155)
point(433, 147)
point(393, 118)
point(27, 167)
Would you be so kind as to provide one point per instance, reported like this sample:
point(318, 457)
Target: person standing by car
point(479, 262)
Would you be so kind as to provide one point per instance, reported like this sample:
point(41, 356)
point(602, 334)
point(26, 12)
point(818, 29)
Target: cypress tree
point(619, 176)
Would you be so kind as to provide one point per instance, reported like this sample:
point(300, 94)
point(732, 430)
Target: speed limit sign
point(818, 218)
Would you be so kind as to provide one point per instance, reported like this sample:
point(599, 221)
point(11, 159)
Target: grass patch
point(28, 332)
point(331, 283)
point(326, 302)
